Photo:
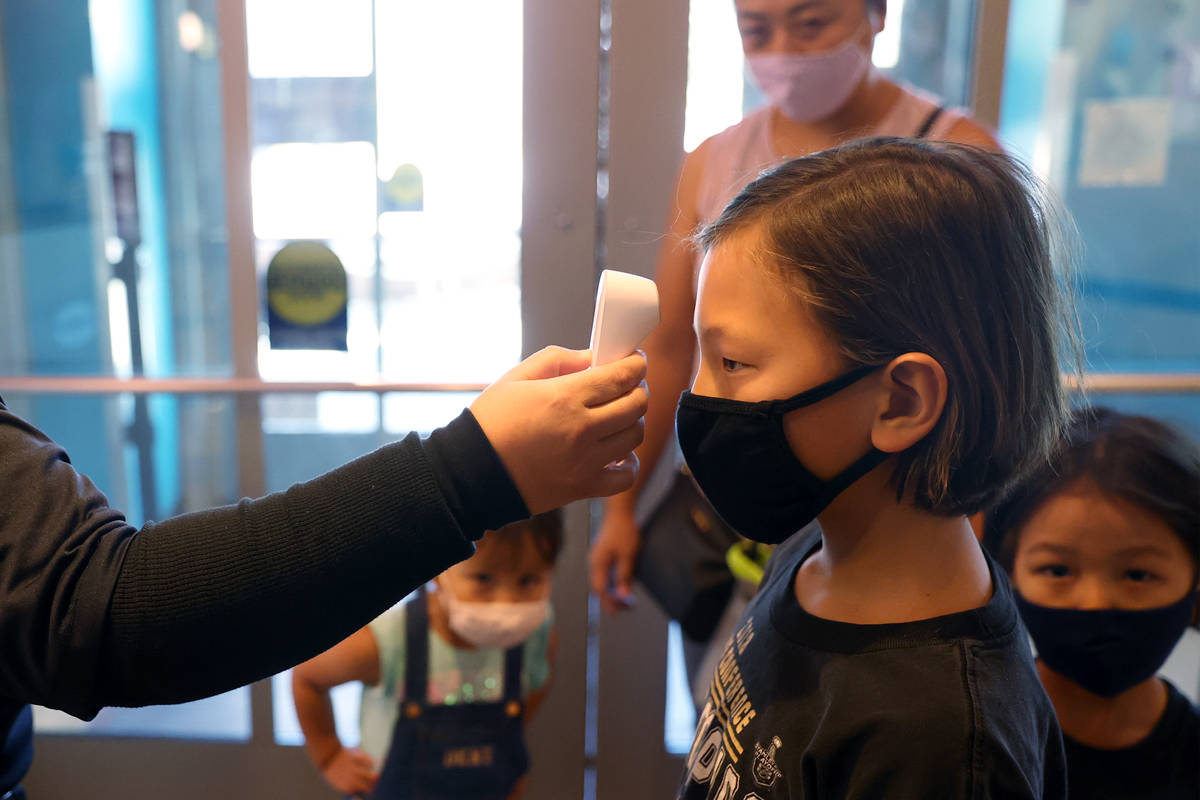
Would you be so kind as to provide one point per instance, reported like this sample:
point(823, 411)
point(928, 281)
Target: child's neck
point(882, 561)
point(1105, 723)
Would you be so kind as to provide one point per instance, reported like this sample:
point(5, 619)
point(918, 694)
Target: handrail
point(1133, 382)
point(71, 384)
point(1095, 383)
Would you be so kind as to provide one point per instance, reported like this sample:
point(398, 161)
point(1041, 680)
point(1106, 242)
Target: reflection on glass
point(346, 700)
point(225, 717)
point(313, 191)
point(681, 714)
point(1103, 98)
point(422, 411)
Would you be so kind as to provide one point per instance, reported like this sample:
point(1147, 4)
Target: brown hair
point(545, 531)
point(912, 246)
point(1136, 458)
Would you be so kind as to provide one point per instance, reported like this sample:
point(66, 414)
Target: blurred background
point(469, 167)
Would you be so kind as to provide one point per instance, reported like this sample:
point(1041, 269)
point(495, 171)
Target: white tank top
point(738, 154)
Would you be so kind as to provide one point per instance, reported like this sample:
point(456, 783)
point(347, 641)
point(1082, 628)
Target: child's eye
point(1053, 570)
point(729, 365)
point(1140, 575)
point(531, 580)
point(483, 578)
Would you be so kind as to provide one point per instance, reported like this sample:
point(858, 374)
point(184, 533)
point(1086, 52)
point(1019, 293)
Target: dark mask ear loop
point(819, 393)
point(872, 459)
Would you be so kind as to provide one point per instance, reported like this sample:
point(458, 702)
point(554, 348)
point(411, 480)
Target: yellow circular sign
point(306, 283)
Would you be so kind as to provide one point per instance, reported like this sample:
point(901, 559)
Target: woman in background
point(812, 60)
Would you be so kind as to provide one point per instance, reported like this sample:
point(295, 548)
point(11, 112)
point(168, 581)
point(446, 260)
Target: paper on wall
point(1125, 142)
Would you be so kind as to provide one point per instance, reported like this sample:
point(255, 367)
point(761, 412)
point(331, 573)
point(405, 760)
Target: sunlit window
point(309, 38)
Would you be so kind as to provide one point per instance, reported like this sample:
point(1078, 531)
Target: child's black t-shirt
point(804, 707)
point(1163, 766)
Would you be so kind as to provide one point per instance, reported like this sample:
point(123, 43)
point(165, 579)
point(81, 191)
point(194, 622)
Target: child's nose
point(1092, 594)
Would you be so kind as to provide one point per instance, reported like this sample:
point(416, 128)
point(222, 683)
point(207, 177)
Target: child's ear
point(912, 399)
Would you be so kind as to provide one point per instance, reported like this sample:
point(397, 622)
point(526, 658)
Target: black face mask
point(1106, 651)
point(741, 459)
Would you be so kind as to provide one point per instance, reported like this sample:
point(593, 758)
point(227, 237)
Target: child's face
point(501, 571)
point(759, 341)
point(1088, 550)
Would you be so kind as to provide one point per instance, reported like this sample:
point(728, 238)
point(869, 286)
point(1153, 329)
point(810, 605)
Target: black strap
point(927, 126)
point(416, 649)
point(513, 658)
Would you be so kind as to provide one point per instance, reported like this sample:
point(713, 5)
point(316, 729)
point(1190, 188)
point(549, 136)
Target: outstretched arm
point(97, 613)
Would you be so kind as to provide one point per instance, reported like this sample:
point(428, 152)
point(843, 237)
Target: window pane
point(681, 713)
point(345, 698)
point(1181, 411)
point(393, 175)
point(308, 38)
point(451, 281)
point(1103, 98)
point(73, 269)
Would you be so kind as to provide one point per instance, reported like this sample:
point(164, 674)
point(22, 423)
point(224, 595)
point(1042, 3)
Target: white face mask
point(810, 88)
point(499, 625)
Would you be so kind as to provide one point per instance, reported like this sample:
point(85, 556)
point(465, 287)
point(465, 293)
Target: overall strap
point(927, 125)
point(416, 649)
point(513, 659)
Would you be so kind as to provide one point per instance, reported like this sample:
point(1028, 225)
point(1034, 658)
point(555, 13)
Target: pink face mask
point(810, 88)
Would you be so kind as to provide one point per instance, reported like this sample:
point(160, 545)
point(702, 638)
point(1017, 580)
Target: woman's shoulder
point(745, 129)
point(725, 162)
point(919, 111)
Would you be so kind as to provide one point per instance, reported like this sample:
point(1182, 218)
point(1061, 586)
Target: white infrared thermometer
point(626, 313)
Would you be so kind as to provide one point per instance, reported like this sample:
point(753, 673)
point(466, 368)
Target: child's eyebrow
point(1056, 549)
point(714, 333)
point(1143, 550)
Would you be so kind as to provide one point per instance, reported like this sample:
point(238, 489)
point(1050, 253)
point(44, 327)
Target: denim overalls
point(472, 751)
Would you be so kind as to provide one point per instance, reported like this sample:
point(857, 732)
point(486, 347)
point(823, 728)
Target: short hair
point(545, 531)
point(905, 246)
point(1136, 458)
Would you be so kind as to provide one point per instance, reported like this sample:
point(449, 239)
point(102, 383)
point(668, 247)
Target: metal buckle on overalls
point(411, 710)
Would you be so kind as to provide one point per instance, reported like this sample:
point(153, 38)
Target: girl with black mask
point(1104, 550)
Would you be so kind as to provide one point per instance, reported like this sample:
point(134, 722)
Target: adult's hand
point(612, 559)
point(563, 431)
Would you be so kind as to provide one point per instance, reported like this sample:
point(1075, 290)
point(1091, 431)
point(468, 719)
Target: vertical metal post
point(243, 287)
point(648, 91)
point(987, 75)
point(558, 239)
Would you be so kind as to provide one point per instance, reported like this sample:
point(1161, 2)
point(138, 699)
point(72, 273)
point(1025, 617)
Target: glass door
point(331, 223)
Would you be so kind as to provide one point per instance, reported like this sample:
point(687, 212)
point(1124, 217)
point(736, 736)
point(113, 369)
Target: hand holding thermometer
point(626, 313)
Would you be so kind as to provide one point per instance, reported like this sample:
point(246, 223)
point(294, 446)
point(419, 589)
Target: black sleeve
point(97, 613)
